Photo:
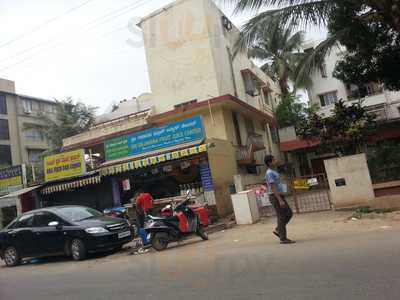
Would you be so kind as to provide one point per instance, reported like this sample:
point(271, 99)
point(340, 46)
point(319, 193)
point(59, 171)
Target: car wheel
point(78, 249)
point(11, 257)
point(159, 241)
point(202, 233)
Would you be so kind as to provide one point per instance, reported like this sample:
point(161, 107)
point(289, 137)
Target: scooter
point(183, 222)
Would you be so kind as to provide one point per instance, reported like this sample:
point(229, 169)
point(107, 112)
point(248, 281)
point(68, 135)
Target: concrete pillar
point(116, 192)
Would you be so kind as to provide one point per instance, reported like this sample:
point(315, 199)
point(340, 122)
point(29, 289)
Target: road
point(332, 260)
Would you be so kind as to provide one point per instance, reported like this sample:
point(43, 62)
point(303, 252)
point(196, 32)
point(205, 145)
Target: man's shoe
point(276, 233)
point(287, 241)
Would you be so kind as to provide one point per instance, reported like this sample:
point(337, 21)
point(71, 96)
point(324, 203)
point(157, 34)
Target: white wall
point(179, 58)
point(354, 170)
point(324, 85)
point(187, 55)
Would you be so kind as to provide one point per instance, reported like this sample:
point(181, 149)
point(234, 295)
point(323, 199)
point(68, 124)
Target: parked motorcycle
point(176, 224)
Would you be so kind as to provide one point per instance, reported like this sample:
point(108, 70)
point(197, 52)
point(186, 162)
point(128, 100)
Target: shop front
point(164, 161)
point(69, 183)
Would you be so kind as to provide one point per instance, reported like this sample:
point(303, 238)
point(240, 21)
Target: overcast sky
point(79, 48)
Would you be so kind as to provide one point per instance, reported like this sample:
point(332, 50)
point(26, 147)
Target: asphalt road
point(330, 261)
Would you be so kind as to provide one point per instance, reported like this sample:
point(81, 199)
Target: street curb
point(220, 227)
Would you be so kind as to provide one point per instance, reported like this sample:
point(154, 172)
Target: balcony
point(245, 155)
point(383, 104)
point(100, 132)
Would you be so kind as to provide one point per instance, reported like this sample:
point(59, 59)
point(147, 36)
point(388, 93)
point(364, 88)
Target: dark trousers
point(283, 215)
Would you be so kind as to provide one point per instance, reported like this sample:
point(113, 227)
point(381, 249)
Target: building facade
point(18, 142)
point(194, 74)
point(327, 90)
point(324, 92)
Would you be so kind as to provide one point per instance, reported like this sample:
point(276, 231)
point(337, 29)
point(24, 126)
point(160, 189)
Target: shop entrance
point(166, 182)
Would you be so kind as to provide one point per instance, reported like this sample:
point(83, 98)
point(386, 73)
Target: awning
point(20, 192)
point(11, 199)
point(153, 160)
point(74, 184)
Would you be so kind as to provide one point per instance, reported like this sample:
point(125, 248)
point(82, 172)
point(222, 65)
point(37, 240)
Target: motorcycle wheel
point(159, 241)
point(202, 233)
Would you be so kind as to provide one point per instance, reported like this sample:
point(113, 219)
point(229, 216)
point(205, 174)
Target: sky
point(81, 48)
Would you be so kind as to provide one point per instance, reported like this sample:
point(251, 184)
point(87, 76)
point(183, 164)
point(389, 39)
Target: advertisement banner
point(11, 177)
point(64, 165)
point(186, 131)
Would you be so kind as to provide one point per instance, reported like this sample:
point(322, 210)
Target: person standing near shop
point(278, 201)
point(144, 203)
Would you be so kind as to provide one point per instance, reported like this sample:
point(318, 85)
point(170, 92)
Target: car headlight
point(94, 230)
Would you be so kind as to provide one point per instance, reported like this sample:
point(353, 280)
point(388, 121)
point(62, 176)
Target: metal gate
point(305, 194)
point(310, 194)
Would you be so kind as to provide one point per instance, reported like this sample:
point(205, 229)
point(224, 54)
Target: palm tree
point(302, 13)
point(318, 12)
point(280, 51)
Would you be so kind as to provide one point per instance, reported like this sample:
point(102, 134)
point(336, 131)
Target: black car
point(64, 230)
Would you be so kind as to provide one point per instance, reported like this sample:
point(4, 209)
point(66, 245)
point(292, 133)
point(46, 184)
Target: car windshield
point(77, 213)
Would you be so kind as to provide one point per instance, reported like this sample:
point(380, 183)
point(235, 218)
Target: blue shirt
point(273, 177)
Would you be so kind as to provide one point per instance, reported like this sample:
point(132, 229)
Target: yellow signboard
point(11, 177)
point(64, 165)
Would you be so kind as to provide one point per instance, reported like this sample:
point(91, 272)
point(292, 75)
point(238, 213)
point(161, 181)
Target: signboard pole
point(24, 180)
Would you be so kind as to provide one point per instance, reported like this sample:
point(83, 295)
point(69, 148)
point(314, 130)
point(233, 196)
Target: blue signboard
point(186, 131)
point(206, 178)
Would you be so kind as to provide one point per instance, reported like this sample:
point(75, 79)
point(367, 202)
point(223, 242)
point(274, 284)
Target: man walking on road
point(283, 211)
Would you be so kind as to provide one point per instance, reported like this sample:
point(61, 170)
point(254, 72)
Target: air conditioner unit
point(27, 111)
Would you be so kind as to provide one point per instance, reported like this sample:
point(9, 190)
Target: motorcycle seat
point(173, 218)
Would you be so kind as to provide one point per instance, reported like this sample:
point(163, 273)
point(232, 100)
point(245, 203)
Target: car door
point(51, 239)
point(22, 236)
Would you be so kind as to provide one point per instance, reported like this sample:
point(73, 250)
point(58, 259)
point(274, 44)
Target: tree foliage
point(345, 132)
point(280, 52)
point(72, 118)
point(292, 112)
point(368, 28)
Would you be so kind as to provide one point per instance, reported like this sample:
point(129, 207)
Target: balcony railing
point(245, 155)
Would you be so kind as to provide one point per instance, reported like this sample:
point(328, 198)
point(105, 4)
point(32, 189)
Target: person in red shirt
point(144, 203)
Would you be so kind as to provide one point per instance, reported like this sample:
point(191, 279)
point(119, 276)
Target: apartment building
point(324, 92)
point(327, 90)
point(18, 143)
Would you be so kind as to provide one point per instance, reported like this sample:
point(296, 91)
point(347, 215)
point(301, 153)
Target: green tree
point(345, 132)
point(353, 23)
point(292, 112)
point(72, 118)
point(280, 51)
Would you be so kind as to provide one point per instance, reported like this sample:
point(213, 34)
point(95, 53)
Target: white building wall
point(321, 85)
point(187, 51)
point(179, 57)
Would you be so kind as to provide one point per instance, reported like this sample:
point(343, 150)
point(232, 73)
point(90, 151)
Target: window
point(76, 214)
point(34, 135)
point(237, 128)
point(266, 95)
point(27, 106)
point(51, 108)
point(5, 155)
point(274, 135)
point(43, 219)
point(249, 126)
point(328, 98)
point(25, 221)
point(34, 155)
point(4, 131)
point(323, 71)
point(3, 105)
point(249, 84)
